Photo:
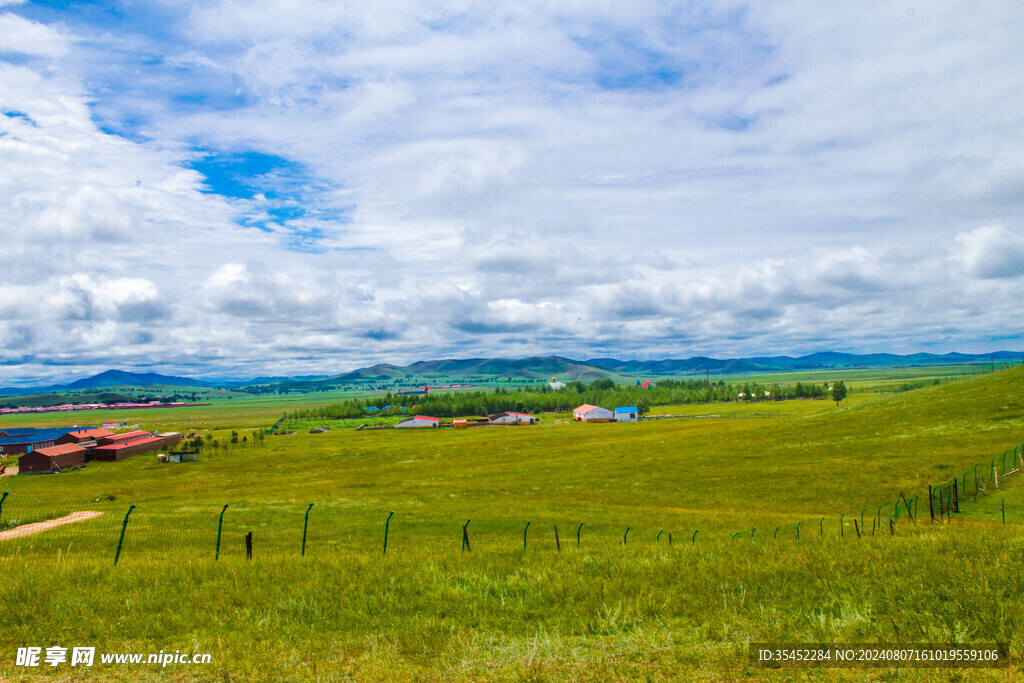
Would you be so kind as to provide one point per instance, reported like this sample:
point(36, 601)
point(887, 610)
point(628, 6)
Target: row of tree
point(602, 392)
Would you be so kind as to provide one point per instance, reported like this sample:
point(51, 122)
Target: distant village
point(69, 407)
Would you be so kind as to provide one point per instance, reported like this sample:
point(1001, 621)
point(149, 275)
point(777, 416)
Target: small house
point(627, 414)
point(508, 418)
point(589, 413)
point(419, 422)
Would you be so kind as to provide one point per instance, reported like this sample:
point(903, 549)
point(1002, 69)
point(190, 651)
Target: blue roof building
point(627, 414)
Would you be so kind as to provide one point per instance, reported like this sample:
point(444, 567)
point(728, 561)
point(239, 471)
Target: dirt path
point(10, 471)
point(29, 529)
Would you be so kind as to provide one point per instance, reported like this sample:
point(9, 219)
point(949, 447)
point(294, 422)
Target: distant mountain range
point(482, 370)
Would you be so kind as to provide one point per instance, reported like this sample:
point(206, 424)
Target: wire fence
point(982, 479)
point(44, 527)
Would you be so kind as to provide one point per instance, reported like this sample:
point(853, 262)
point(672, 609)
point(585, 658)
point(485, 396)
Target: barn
point(419, 422)
point(627, 414)
point(589, 413)
point(511, 419)
point(85, 437)
point(51, 458)
point(123, 438)
point(120, 450)
point(26, 440)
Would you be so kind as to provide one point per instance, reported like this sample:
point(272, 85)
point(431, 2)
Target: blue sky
point(303, 187)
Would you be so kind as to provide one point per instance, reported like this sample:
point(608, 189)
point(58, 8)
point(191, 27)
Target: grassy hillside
point(601, 611)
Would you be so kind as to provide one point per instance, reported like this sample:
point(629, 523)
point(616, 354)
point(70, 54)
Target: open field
point(601, 611)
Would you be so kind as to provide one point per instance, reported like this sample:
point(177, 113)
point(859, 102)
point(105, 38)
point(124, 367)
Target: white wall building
point(589, 413)
point(420, 421)
point(627, 414)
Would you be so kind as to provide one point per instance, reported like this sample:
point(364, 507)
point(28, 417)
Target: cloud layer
point(295, 187)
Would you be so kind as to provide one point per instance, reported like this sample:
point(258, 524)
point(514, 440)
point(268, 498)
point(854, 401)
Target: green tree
point(839, 392)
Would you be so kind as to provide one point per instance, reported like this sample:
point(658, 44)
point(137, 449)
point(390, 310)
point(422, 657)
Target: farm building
point(51, 458)
point(123, 438)
point(460, 424)
point(26, 440)
point(627, 414)
point(419, 422)
point(85, 436)
point(125, 449)
point(511, 418)
point(171, 438)
point(589, 413)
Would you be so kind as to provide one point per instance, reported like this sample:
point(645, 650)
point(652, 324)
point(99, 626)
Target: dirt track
point(10, 471)
point(29, 529)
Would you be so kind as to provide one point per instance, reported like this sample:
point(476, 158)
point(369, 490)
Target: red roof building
point(85, 436)
point(126, 449)
point(51, 459)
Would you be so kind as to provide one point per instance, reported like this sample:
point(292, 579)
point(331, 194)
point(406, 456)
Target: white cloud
point(496, 180)
point(20, 35)
point(992, 252)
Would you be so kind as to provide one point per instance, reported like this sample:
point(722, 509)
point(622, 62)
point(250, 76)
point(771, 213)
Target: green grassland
point(618, 606)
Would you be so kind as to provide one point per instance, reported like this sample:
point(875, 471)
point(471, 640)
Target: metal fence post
point(220, 525)
point(524, 534)
point(465, 536)
point(842, 532)
point(694, 539)
point(578, 529)
point(625, 535)
point(124, 524)
point(387, 523)
point(657, 539)
point(798, 529)
point(305, 525)
point(2, 499)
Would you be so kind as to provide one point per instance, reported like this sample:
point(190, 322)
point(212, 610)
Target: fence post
point(120, 541)
point(694, 539)
point(248, 546)
point(305, 525)
point(856, 528)
point(931, 503)
point(625, 535)
point(956, 497)
point(578, 534)
point(558, 544)
point(975, 482)
point(657, 539)
point(2, 499)
point(907, 504)
point(842, 532)
point(821, 527)
point(465, 536)
point(862, 518)
point(1004, 511)
point(524, 534)
point(387, 523)
point(798, 529)
point(220, 526)
point(777, 531)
